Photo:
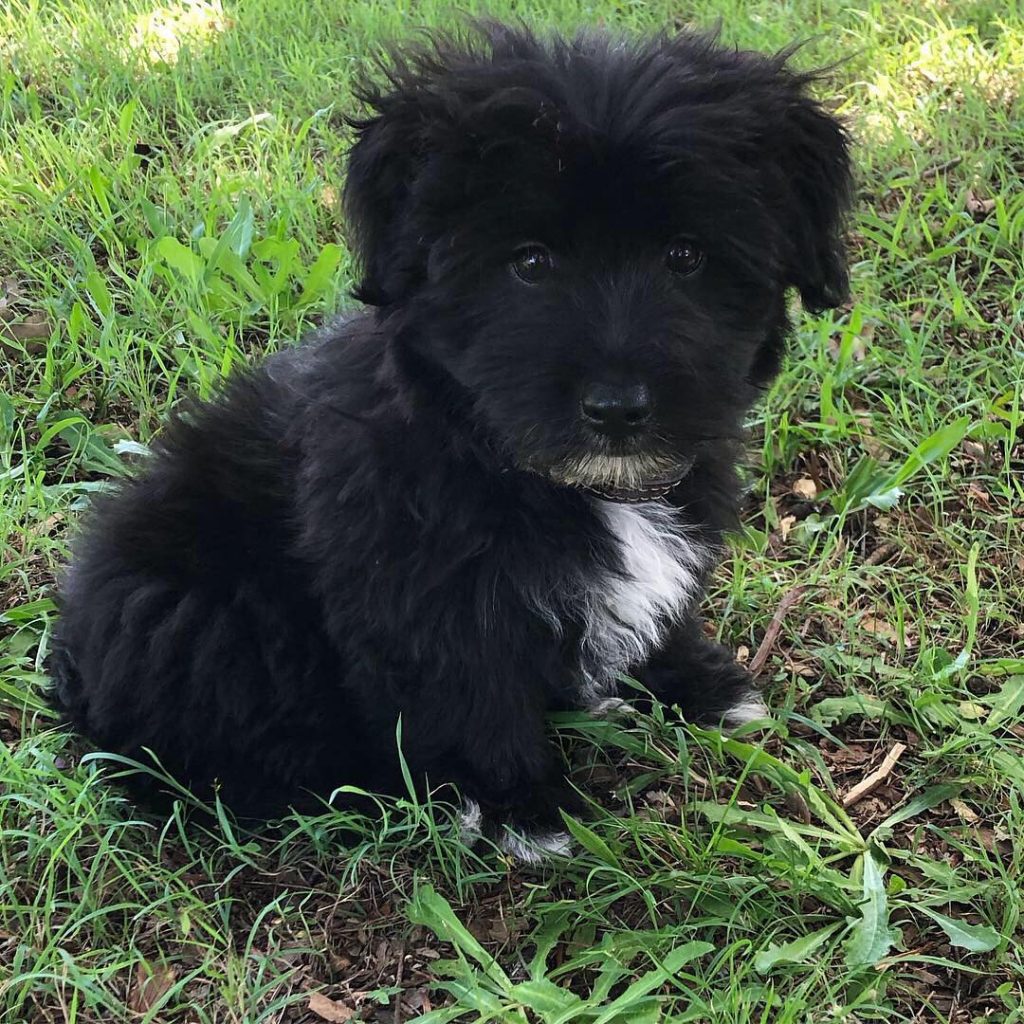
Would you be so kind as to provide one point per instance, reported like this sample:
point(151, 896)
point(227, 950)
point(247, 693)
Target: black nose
point(617, 410)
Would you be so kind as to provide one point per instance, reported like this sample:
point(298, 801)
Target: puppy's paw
point(749, 708)
point(533, 847)
point(529, 826)
point(533, 831)
point(610, 707)
point(528, 844)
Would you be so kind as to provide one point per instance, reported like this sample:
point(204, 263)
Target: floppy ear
point(813, 150)
point(381, 168)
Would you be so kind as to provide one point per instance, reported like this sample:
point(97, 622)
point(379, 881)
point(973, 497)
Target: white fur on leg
point(535, 848)
point(610, 706)
point(471, 820)
point(525, 847)
point(750, 709)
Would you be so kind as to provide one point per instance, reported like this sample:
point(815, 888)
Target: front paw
point(722, 704)
point(529, 826)
point(532, 847)
point(528, 843)
point(610, 707)
point(707, 685)
point(749, 707)
point(727, 711)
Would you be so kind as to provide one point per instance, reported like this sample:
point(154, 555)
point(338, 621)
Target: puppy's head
point(588, 242)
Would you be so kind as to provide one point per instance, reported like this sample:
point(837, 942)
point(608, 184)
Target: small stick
point(928, 173)
point(399, 971)
point(871, 782)
point(771, 634)
point(881, 554)
point(937, 169)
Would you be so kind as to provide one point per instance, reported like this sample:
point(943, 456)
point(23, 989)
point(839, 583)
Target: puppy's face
point(591, 242)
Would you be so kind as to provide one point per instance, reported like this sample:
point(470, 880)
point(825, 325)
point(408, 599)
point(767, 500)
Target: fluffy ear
point(813, 151)
point(381, 169)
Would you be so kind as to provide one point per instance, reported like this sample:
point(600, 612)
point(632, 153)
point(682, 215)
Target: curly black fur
point(392, 519)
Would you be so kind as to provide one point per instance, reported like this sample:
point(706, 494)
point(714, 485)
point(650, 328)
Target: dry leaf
point(978, 207)
point(797, 806)
point(921, 975)
point(339, 961)
point(858, 344)
point(971, 711)
point(968, 814)
point(660, 798)
point(980, 495)
point(45, 527)
point(804, 669)
point(329, 1009)
point(417, 1000)
point(995, 840)
point(10, 291)
point(786, 523)
point(878, 627)
point(874, 448)
point(850, 756)
point(973, 450)
point(805, 488)
point(34, 326)
point(151, 984)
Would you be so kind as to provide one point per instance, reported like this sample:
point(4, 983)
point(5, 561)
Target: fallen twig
point(871, 782)
point(936, 169)
point(926, 175)
point(771, 634)
point(881, 554)
point(399, 970)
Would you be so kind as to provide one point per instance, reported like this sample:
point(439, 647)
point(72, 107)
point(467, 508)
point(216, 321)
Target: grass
point(168, 209)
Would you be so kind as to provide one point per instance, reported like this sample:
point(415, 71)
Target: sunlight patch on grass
point(934, 77)
point(957, 62)
point(160, 34)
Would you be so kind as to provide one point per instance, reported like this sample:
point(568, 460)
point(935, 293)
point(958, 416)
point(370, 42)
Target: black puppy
point(505, 484)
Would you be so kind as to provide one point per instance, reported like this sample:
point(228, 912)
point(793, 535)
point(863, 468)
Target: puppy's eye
point(683, 257)
point(532, 263)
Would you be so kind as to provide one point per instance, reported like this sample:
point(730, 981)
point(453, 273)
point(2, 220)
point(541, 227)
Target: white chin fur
point(750, 709)
point(626, 472)
point(536, 848)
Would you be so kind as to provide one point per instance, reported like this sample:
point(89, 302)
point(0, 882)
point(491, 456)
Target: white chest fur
point(628, 614)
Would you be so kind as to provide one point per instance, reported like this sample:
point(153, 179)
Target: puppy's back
point(184, 595)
